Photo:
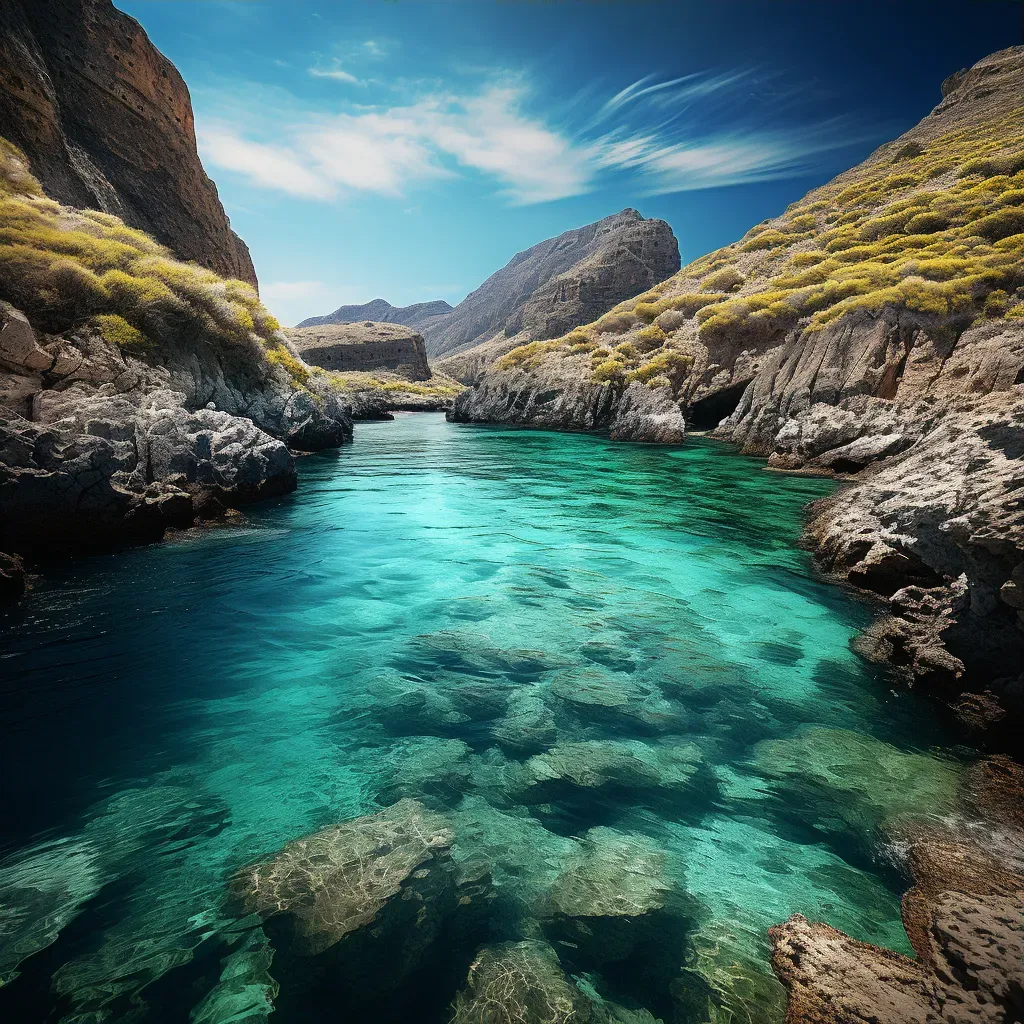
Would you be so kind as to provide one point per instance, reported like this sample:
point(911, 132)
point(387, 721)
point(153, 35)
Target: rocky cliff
point(559, 283)
point(875, 331)
point(136, 392)
point(106, 122)
point(363, 347)
point(418, 316)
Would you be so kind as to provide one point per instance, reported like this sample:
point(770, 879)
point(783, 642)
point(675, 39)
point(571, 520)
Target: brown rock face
point(363, 347)
point(964, 917)
point(551, 287)
point(106, 122)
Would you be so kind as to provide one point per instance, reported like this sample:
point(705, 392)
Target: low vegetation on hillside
point(937, 229)
point(439, 386)
point(68, 268)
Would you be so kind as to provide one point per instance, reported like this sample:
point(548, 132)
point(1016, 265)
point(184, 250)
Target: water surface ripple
point(589, 656)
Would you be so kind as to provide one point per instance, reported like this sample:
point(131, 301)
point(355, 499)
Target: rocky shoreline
point(915, 399)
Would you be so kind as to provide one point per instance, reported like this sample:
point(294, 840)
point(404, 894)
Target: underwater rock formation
point(615, 910)
point(340, 879)
point(521, 982)
point(381, 888)
point(841, 782)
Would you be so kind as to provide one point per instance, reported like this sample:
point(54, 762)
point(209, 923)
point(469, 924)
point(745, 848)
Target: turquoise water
point(485, 620)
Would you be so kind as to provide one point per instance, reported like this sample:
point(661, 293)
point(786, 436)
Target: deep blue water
point(449, 613)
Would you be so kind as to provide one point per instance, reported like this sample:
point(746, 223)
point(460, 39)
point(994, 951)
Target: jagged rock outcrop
point(363, 346)
point(560, 282)
point(100, 447)
point(964, 917)
point(874, 331)
point(418, 316)
point(633, 414)
point(106, 122)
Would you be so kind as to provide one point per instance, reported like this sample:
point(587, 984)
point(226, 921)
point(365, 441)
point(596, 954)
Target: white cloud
point(265, 165)
point(374, 48)
point(689, 132)
point(338, 74)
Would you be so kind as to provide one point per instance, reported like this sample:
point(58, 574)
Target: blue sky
point(407, 149)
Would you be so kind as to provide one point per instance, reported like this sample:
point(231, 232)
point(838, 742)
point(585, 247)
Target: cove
point(607, 666)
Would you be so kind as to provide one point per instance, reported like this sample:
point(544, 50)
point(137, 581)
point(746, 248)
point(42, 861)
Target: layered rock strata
point(363, 347)
point(551, 287)
point(106, 122)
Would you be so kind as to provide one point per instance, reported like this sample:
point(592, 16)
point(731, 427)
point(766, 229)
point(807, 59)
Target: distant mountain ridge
point(382, 312)
point(540, 293)
point(556, 284)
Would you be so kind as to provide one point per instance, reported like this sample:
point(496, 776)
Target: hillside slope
point(874, 330)
point(560, 282)
point(136, 392)
point(106, 123)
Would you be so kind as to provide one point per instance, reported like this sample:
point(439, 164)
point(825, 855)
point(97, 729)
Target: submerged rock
point(850, 785)
point(360, 910)
point(590, 777)
point(40, 893)
point(338, 880)
point(519, 983)
point(615, 914)
point(528, 726)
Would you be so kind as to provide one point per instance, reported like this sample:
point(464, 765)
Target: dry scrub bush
point(68, 268)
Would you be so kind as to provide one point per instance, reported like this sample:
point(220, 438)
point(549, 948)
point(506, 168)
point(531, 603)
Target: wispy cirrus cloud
point(695, 131)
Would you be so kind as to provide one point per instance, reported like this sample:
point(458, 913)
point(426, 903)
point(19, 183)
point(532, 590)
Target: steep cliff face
point(560, 282)
point(418, 316)
point(876, 331)
point(363, 347)
point(106, 122)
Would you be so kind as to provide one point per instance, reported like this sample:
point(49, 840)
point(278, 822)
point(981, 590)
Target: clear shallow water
point(486, 620)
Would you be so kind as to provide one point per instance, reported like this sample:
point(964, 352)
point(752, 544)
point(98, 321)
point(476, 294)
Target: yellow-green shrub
point(280, 356)
point(652, 335)
point(611, 371)
point(118, 331)
point(727, 279)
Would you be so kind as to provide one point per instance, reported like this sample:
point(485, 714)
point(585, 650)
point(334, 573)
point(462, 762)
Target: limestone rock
point(964, 917)
point(106, 122)
point(519, 983)
point(102, 447)
point(363, 346)
point(572, 402)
